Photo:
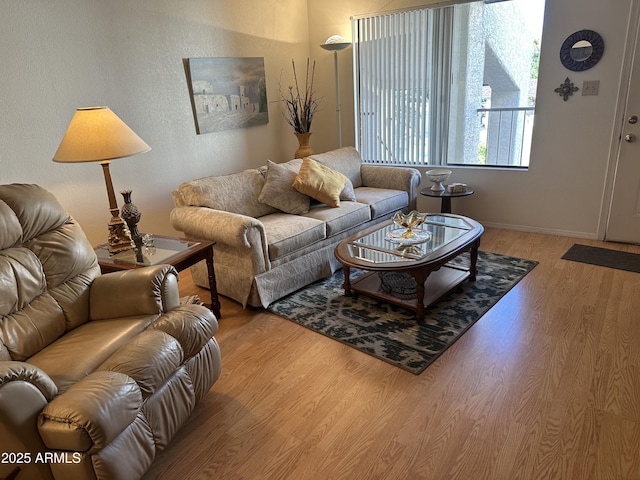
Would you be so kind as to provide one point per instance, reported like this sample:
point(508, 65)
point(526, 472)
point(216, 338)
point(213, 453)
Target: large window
point(450, 85)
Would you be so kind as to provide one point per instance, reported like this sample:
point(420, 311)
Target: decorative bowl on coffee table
point(408, 233)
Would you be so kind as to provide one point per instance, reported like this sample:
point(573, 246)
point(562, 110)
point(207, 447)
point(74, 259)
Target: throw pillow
point(345, 160)
point(279, 193)
point(348, 193)
point(320, 182)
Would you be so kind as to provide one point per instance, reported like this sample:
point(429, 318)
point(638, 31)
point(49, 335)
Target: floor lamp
point(334, 44)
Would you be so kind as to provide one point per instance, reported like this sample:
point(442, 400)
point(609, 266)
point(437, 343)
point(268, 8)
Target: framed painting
point(227, 92)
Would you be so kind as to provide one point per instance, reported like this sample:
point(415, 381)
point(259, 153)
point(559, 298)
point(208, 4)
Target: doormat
point(392, 333)
point(604, 257)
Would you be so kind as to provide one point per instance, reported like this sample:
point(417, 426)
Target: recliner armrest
point(11, 371)
point(141, 291)
point(24, 391)
point(94, 411)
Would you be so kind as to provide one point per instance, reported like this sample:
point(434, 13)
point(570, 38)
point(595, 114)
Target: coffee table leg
point(213, 288)
point(347, 281)
point(420, 278)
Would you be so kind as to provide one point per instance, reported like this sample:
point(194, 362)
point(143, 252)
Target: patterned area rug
point(191, 300)
point(392, 333)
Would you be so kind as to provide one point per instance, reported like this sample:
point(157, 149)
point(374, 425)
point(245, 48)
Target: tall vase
point(131, 215)
point(304, 150)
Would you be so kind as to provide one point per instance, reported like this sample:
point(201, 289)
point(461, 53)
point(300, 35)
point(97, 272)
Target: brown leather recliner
point(97, 372)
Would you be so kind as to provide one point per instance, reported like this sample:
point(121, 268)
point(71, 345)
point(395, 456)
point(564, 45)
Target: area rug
point(604, 257)
point(392, 333)
point(191, 300)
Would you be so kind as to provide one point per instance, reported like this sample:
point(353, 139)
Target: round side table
point(446, 197)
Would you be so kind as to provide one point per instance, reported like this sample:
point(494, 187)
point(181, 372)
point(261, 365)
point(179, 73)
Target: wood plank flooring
point(545, 386)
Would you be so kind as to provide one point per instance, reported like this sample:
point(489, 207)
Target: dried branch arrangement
point(300, 105)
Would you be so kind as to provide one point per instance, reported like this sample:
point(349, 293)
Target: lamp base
point(119, 237)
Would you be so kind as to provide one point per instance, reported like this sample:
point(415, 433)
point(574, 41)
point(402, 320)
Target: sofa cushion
point(338, 220)
point(382, 201)
point(289, 233)
point(320, 182)
point(345, 160)
point(278, 190)
point(236, 193)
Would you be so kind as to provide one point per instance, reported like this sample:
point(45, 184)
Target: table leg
point(213, 288)
point(420, 278)
point(473, 254)
point(347, 280)
point(446, 205)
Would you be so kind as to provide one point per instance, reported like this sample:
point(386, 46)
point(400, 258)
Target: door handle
point(630, 137)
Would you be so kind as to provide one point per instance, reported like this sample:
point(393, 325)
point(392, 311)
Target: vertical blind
point(402, 61)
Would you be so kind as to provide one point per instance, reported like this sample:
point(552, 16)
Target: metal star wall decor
point(566, 89)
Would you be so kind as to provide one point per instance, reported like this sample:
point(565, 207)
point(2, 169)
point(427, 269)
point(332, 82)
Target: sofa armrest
point(218, 226)
point(93, 412)
point(396, 178)
point(232, 229)
point(142, 291)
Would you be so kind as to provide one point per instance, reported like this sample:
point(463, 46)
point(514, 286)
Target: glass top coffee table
point(411, 272)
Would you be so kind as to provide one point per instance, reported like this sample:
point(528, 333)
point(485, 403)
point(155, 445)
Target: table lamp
point(96, 134)
point(334, 44)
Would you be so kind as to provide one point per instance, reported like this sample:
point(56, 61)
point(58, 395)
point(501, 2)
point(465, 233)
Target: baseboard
point(547, 231)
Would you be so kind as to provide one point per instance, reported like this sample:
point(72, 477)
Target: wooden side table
point(179, 252)
point(446, 196)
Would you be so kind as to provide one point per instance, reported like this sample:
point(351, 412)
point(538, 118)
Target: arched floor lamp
point(334, 44)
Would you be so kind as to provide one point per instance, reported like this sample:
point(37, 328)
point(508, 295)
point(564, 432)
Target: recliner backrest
point(47, 266)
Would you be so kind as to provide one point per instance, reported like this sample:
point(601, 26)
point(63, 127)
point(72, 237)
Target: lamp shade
point(96, 134)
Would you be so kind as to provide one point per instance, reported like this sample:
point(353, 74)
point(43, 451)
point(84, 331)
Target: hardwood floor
point(545, 386)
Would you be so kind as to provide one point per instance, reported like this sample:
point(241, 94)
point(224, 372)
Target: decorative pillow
point(279, 193)
point(348, 193)
point(345, 160)
point(320, 182)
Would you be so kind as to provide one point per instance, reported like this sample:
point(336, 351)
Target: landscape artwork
point(227, 92)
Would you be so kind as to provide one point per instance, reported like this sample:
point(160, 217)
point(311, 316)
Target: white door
point(624, 214)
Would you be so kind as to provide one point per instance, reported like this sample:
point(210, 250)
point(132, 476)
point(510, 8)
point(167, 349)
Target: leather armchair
point(97, 372)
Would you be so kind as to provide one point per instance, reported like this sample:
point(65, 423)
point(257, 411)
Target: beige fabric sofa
point(97, 372)
point(263, 253)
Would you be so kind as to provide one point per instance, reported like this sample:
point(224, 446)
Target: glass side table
point(178, 252)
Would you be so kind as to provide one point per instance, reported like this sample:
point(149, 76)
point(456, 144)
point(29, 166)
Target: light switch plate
point(590, 87)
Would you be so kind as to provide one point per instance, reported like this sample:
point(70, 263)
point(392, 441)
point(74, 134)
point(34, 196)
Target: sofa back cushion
point(235, 193)
point(345, 160)
point(46, 268)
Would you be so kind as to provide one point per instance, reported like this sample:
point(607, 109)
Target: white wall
point(61, 55)
point(564, 188)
